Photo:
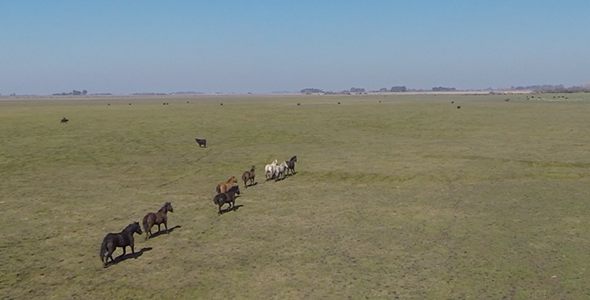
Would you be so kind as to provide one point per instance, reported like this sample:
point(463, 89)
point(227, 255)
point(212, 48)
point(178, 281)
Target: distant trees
point(398, 89)
point(443, 89)
point(309, 91)
point(72, 93)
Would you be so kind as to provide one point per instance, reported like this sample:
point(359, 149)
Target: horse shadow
point(253, 184)
point(127, 256)
point(158, 233)
point(235, 208)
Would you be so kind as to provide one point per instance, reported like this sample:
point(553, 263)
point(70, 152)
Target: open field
point(410, 198)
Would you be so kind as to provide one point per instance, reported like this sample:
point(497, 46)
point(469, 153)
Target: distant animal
point(64, 120)
point(122, 239)
point(158, 218)
point(248, 176)
point(221, 103)
point(202, 142)
point(338, 102)
point(269, 169)
point(291, 165)
point(223, 187)
point(228, 197)
point(298, 103)
point(452, 102)
point(459, 107)
point(281, 171)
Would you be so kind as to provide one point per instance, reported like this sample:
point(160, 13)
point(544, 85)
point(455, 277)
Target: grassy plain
point(409, 198)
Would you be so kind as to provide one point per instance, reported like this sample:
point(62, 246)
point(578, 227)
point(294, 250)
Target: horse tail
point(145, 224)
point(103, 248)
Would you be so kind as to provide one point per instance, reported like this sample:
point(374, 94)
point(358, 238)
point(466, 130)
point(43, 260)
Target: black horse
point(227, 197)
point(64, 120)
point(291, 164)
point(158, 218)
point(201, 142)
point(122, 239)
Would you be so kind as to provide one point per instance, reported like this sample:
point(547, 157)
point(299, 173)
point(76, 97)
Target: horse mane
point(233, 189)
point(164, 208)
point(130, 227)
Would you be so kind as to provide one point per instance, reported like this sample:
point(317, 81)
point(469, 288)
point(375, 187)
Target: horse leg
point(124, 247)
point(166, 226)
point(132, 249)
point(158, 227)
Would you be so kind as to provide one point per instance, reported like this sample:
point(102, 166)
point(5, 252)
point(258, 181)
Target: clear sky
point(125, 46)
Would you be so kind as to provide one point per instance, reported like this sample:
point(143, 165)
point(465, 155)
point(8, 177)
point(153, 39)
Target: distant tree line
point(443, 89)
point(72, 93)
point(547, 88)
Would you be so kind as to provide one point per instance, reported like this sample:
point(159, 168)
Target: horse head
point(137, 228)
point(168, 206)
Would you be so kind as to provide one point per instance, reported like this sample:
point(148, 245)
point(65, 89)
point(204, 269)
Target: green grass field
point(409, 198)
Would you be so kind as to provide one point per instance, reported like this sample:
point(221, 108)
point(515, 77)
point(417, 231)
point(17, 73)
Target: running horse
point(223, 187)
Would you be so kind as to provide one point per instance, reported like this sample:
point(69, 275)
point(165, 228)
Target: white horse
point(281, 171)
point(269, 170)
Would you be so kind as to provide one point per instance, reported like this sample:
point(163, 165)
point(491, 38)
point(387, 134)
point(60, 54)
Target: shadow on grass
point(252, 184)
point(121, 258)
point(158, 233)
point(235, 208)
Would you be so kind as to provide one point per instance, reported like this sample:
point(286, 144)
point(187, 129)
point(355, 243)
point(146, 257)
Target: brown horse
point(248, 176)
point(158, 218)
point(223, 187)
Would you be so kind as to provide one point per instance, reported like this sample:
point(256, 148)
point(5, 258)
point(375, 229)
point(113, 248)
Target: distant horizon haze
point(125, 47)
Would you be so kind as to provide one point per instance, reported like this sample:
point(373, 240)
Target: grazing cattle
point(160, 217)
point(64, 120)
point(122, 239)
point(280, 171)
point(269, 169)
point(291, 165)
point(202, 142)
point(223, 187)
point(228, 197)
point(248, 176)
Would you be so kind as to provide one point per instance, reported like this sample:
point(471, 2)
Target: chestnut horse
point(223, 187)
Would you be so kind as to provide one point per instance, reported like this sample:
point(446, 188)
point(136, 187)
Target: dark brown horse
point(122, 239)
point(64, 120)
point(248, 176)
point(291, 165)
point(157, 218)
point(202, 142)
point(228, 197)
point(223, 187)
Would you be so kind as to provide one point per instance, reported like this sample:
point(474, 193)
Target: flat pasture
point(396, 196)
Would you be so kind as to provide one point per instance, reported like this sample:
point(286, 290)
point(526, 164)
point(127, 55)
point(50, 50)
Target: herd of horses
point(227, 191)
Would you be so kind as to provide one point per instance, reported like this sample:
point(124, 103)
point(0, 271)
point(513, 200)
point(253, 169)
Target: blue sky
point(261, 46)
